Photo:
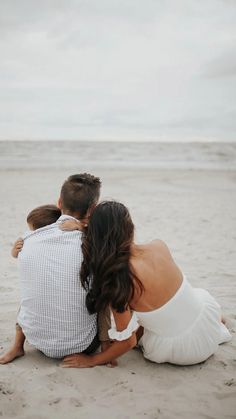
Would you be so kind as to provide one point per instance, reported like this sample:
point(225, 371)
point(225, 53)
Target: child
point(37, 218)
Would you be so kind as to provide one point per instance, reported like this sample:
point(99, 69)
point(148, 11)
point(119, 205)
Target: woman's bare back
point(153, 264)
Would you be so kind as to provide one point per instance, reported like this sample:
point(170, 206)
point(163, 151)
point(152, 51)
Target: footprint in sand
point(55, 401)
point(76, 402)
point(230, 382)
point(5, 391)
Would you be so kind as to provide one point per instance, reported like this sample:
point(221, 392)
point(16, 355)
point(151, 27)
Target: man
point(53, 315)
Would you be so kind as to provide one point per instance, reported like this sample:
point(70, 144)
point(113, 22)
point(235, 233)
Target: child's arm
point(71, 225)
point(17, 247)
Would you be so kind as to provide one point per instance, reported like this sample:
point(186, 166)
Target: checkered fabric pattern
point(53, 314)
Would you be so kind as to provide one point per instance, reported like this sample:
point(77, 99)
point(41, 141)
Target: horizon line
point(120, 140)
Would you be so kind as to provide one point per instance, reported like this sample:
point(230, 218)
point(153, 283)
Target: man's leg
point(94, 345)
point(104, 324)
point(17, 349)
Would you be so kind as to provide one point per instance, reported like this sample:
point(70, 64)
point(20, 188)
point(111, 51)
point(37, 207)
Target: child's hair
point(43, 216)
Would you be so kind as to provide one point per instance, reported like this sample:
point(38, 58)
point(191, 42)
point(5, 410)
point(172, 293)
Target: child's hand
point(17, 247)
point(71, 225)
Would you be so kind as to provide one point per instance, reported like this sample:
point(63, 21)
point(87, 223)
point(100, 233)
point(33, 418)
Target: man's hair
point(43, 216)
point(79, 193)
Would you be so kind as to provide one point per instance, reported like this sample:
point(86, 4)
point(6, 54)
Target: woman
point(143, 286)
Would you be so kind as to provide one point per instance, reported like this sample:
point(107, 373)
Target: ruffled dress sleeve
point(126, 333)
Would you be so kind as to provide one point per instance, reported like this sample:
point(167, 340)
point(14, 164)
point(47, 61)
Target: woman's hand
point(71, 225)
point(77, 361)
point(17, 247)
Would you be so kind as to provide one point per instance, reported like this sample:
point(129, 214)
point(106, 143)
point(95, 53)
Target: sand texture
point(194, 212)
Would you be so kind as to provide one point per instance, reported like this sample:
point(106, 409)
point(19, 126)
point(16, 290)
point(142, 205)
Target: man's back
point(53, 313)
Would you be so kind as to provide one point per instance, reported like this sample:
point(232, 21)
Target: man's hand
point(17, 247)
point(71, 225)
point(77, 361)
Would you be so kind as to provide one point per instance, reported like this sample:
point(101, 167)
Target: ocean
point(86, 155)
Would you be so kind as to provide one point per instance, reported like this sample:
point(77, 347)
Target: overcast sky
point(118, 69)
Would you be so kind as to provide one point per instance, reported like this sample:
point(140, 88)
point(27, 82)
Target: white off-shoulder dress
point(184, 331)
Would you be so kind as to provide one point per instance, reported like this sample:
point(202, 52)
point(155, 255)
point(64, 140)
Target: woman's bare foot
point(12, 354)
point(105, 345)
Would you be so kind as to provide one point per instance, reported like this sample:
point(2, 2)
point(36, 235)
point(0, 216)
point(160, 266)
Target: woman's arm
point(117, 348)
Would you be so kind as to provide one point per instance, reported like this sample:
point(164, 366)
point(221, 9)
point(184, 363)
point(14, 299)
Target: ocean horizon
point(86, 155)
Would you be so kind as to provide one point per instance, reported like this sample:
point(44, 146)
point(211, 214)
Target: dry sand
point(194, 212)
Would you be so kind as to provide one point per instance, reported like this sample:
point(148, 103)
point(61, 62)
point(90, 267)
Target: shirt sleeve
point(126, 333)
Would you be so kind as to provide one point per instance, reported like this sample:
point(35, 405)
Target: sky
point(157, 70)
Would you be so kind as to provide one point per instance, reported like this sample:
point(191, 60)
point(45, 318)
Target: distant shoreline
point(123, 141)
point(87, 155)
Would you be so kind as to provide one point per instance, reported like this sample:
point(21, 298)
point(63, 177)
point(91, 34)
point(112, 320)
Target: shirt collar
point(64, 217)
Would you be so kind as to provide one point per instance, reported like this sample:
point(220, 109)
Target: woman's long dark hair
point(106, 246)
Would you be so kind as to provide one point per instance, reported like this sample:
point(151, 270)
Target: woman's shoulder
point(152, 246)
point(149, 251)
point(158, 251)
point(159, 245)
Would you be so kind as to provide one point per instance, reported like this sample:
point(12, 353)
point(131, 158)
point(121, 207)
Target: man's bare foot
point(105, 345)
point(12, 354)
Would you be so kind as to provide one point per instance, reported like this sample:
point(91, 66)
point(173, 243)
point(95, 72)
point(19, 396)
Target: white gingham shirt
point(53, 314)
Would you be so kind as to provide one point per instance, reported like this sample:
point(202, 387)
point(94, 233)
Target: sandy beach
point(142, 95)
point(194, 212)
